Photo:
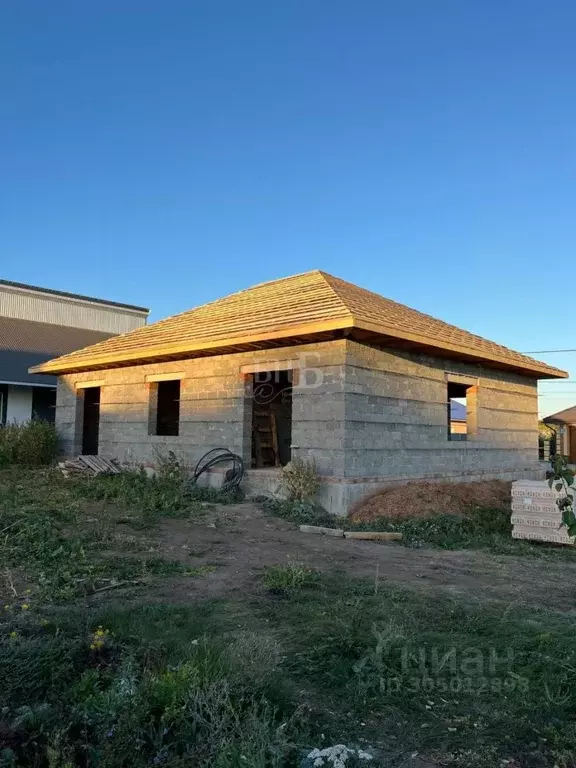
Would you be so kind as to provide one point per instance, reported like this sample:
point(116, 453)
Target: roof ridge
point(327, 277)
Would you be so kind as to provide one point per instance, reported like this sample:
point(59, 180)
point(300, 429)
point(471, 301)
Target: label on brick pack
point(550, 508)
point(537, 493)
point(537, 522)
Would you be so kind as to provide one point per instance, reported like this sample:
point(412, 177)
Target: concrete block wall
point(396, 418)
point(215, 407)
point(368, 417)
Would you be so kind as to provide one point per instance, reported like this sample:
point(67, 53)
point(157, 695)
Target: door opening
point(271, 418)
point(91, 421)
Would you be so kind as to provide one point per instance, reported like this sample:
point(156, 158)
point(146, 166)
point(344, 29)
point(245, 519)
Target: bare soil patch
point(241, 540)
point(426, 499)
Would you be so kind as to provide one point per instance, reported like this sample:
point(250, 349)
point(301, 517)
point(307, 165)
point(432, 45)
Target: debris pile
point(425, 499)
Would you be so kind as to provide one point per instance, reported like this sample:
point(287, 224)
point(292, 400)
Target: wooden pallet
point(89, 465)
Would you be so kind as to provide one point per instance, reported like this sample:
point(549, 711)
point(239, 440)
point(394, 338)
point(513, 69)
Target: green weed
point(299, 479)
point(434, 675)
point(45, 538)
point(481, 528)
point(31, 444)
point(400, 671)
point(258, 681)
point(464, 684)
point(150, 497)
point(286, 579)
point(300, 512)
point(105, 703)
point(213, 495)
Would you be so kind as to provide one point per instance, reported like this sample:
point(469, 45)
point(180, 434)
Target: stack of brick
point(535, 513)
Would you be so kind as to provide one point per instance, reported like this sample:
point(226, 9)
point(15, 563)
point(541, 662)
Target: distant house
point(36, 324)
point(458, 426)
point(564, 423)
point(314, 367)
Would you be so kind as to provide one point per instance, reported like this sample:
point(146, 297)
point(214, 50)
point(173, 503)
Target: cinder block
point(533, 533)
point(336, 532)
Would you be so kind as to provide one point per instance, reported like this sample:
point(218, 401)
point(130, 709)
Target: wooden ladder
point(265, 436)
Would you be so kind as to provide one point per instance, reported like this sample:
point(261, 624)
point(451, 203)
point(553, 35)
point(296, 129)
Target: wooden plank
point(374, 535)
point(104, 466)
point(87, 462)
point(112, 466)
point(102, 469)
point(95, 464)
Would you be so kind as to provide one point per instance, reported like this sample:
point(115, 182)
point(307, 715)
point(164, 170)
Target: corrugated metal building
point(38, 323)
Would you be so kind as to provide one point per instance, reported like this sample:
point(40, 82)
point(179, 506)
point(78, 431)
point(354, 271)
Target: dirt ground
point(426, 498)
point(240, 540)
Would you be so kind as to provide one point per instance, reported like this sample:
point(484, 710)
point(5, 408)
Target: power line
point(547, 351)
point(548, 394)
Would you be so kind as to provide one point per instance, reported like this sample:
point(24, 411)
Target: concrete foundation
point(339, 495)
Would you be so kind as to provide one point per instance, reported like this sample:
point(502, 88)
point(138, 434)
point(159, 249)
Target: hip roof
point(304, 308)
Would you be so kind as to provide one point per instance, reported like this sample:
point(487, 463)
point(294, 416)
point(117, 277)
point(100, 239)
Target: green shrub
point(299, 480)
point(31, 444)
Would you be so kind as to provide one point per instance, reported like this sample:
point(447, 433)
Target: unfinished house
point(308, 366)
point(564, 425)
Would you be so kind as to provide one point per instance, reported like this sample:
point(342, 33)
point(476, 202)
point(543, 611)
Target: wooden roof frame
point(303, 334)
point(300, 309)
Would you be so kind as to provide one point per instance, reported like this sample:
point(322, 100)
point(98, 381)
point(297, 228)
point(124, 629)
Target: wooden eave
point(343, 327)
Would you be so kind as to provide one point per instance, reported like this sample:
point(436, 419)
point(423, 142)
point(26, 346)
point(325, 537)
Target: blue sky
point(169, 153)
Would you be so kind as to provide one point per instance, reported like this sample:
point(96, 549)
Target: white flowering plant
point(338, 756)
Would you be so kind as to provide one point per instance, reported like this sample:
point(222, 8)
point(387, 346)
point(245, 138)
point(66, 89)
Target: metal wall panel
point(75, 313)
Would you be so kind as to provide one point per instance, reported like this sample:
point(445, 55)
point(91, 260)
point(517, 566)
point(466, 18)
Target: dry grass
point(424, 499)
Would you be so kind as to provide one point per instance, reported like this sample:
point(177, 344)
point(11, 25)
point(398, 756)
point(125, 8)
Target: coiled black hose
point(216, 456)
